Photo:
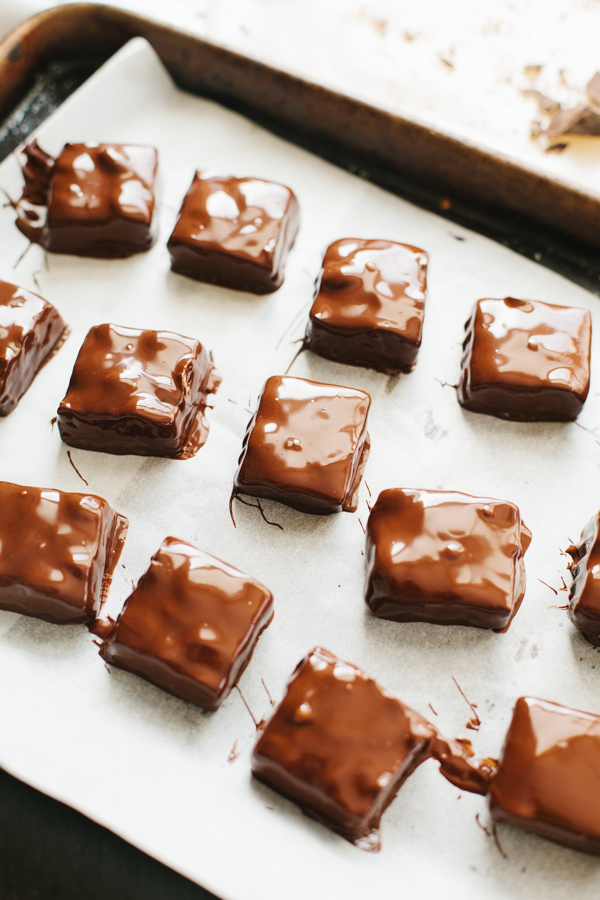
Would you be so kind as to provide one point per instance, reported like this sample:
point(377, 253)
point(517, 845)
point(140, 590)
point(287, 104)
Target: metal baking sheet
point(155, 769)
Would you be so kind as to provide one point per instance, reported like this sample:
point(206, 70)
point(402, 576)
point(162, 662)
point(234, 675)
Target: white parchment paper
point(155, 769)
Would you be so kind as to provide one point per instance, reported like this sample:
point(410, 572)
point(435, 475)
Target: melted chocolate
point(306, 446)
point(526, 360)
point(236, 232)
point(548, 778)
point(58, 552)
point(139, 392)
point(31, 331)
point(191, 625)
point(99, 198)
point(369, 306)
point(341, 747)
point(584, 598)
point(446, 558)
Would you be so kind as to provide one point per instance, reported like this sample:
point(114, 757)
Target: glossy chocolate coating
point(99, 198)
point(584, 597)
point(548, 778)
point(526, 360)
point(31, 331)
point(191, 624)
point(306, 446)
point(340, 747)
point(139, 392)
point(236, 232)
point(58, 552)
point(369, 306)
point(446, 558)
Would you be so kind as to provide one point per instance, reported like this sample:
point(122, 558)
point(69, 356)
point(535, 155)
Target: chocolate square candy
point(58, 551)
point(31, 331)
point(236, 232)
point(306, 446)
point(548, 779)
point(584, 597)
point(140, 392)
point(191, 624)
point(99, 199)
point(340, 747)
point(526, 360)
point(446, 558)
point(369, 306)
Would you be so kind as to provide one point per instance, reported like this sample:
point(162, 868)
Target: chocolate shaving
point(53, 422)
point(257, 505)
point(475, 722)
point(497, 842)
point(556, 148)
point(546, 105)
point(271, 701)
point(257, 725)
point(593, 89)
point(488, 833)
point(548, 586)
point(362, 526)
point(579, 120)
point(234, 752)
point(432, 709)
point(76, 469)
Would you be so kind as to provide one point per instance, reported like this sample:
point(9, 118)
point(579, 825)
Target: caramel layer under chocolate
point(191, 624)
point(99, 199)
point(58, 551)
point(235, 232)
point(341, 747)
point(306, 446)
point(548, 778)
point(31, 331)
point(526, 360)
point(139, 392)
point(584, 597)
point(446, 558)
point(369, 306)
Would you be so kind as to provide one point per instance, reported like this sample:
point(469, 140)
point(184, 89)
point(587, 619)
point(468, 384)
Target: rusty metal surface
point(535, 214)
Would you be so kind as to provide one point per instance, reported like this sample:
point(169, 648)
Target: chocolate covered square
point(340, 746)
point(58, 551)
point(100, 199)
point(446, 558)
point(369, 306)
point(191, 624)
point(306, 446)
point(138, 392)
point(526, 360)
point(31, 331)
point(548, 778)
point(235, 232)
point(584, 597)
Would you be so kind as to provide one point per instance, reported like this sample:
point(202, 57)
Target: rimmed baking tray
point(542, 217)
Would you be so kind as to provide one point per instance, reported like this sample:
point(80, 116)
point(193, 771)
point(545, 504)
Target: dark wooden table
point(49, 851)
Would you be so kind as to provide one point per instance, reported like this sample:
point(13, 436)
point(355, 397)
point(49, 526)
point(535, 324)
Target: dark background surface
point(49, 851)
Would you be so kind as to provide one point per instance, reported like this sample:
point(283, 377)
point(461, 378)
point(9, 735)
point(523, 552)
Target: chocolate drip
point(460, 766)
point(37, 172)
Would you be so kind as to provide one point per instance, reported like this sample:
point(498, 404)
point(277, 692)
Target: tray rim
point(438, 160)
